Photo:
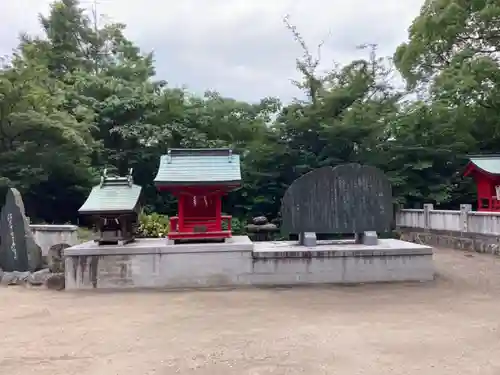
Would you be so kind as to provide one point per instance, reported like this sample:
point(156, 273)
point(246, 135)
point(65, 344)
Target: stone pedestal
point(341, 262)
point(153, 263)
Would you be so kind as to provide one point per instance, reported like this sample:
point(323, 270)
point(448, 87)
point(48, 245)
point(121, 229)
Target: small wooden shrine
point(114, 207)
point(485, 170)
point(199, 178)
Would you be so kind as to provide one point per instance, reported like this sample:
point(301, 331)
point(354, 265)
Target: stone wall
point(48, 235)
point(469, 241)
point(156, 270)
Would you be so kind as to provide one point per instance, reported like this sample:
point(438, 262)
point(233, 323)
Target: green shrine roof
point(198, 166)
point(487, 163)
point(112, 195)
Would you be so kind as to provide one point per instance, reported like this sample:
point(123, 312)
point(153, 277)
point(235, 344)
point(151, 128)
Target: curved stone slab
point(349, 198)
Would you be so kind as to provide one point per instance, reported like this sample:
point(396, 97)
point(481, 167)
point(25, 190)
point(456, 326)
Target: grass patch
point(85, 234)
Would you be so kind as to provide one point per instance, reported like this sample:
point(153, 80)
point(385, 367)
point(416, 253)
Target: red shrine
point(199, 178)
point(485, 170)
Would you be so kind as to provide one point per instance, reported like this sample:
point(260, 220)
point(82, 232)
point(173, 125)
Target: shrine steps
point(153, 263)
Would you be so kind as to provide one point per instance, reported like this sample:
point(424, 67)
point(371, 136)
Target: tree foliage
point(83, 97)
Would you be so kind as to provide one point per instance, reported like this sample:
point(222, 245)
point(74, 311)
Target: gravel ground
point(450, 326)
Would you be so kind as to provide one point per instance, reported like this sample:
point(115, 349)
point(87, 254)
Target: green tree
point(452, 58)
point(37, 140)
point(83, 97)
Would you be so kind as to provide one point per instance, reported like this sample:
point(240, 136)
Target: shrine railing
point(463, 220)
point(225, 225)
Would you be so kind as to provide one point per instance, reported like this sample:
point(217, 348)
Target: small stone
point(253, 228)
point(55, 257)
point(269, 227)
point(308, 239)
point(7, 278)
point(14, 278)
point(39, 277)
point(55, 281)
point(33, 281)
point(22, 276)
point(42, 272)
point(370, 238)
point(259, 220)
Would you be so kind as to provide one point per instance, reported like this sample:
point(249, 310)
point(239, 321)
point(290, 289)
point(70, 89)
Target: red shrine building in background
point(485, 170)
point(199, 178)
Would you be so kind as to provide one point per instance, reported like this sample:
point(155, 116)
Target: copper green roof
point(112, 195)
point(487, 163)
point(198, 166)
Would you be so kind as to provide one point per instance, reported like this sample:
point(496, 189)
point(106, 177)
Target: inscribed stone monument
point(18, 249)
point(348, 199)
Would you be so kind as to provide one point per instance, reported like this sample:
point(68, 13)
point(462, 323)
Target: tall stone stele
point(18, 249)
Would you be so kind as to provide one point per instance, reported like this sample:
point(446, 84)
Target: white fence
point(463, 220)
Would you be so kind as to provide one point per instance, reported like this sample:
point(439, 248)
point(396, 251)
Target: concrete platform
point(339, 248)
point(153, 263)
point(160, 246)
point(341, 262)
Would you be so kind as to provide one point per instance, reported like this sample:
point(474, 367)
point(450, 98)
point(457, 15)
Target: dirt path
point(450, 326)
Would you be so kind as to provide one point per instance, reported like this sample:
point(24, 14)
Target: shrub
point(237, 226)
point(85, 234)
point(153, 225)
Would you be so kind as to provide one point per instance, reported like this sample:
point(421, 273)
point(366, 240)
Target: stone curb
point(37, 279)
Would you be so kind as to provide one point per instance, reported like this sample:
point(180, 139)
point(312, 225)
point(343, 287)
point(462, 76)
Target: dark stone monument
point(348, 199)
point(18, 249)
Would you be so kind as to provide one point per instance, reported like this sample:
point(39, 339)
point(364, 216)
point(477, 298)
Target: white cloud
point(239, 47)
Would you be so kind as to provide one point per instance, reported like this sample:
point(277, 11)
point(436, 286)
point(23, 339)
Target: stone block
point(18, 249)
point(307, 239)
point(370, 238)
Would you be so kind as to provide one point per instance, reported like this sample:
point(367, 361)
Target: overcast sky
point(237, 47)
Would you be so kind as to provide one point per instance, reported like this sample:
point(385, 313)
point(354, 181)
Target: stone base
point(478, 242)
point(153, 263)
point(341, 262)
